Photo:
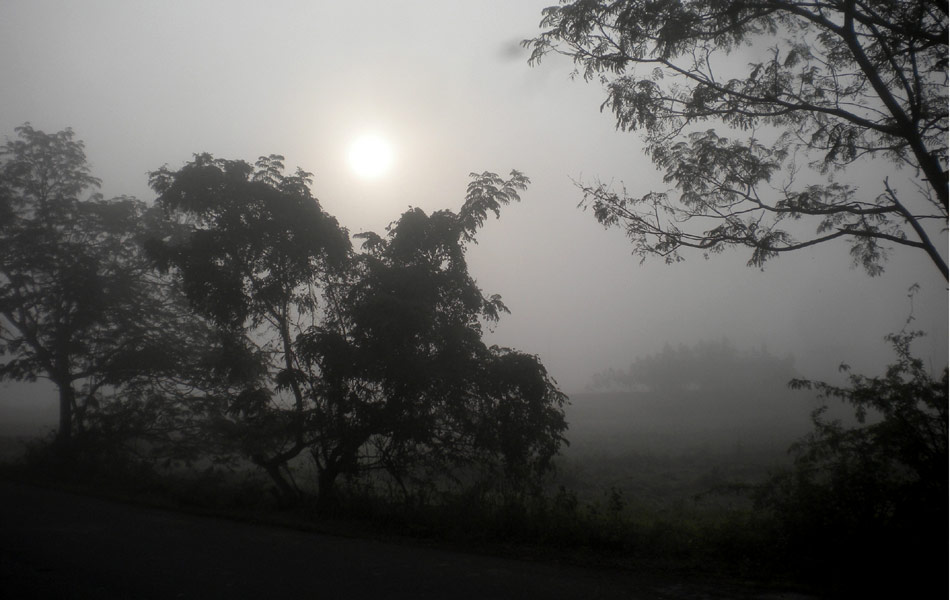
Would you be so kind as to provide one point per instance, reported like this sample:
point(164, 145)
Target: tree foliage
point(79, 303)
point(370, 361)
point(253, 250)
point(255, 237)
point(833, 84)
point(868, 498)
point(406, 385)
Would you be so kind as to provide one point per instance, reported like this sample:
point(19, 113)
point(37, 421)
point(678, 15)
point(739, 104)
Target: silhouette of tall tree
point(374, 360)
point(405, 382)
point(254, 250)
point(79, 302)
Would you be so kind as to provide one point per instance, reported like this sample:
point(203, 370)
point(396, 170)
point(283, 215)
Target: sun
point(370, 155)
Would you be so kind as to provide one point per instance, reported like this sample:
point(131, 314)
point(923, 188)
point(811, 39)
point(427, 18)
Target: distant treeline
point(708, 365)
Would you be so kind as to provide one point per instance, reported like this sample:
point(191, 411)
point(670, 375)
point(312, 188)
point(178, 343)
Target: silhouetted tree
point(372, 361)
point(840, 83)
point(79, 303)
point(871, 498)
point(403, 381)
point(177, 394)
point(254, 250)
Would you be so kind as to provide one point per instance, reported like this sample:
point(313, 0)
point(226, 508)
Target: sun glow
point(370, 156)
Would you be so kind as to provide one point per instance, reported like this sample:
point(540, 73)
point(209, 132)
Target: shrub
point(865, 505)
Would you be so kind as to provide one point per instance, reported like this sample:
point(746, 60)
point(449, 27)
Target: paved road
point(59, 545)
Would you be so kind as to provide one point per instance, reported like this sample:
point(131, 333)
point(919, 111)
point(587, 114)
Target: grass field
point(679, 448)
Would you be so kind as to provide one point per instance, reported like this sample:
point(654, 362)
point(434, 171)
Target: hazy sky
point(150, 83)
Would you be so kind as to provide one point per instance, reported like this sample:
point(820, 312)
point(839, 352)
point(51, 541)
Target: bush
point(866, 505)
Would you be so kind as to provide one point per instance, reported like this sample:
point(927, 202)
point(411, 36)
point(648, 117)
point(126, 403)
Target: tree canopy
point(253, 250)
point(254, 236)
point(869, 496)
point(79, 305)
point(832, 84)
point(406, 383)
point(369, 361)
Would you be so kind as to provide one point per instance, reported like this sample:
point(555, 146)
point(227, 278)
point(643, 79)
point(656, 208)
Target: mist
point(146, 85)
point(448, 86)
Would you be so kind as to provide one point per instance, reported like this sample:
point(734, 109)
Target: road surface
point(55, 544)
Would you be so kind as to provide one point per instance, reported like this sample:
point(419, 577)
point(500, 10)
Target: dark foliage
point(370, 362)
point(865, 507)
point(255, 237)
point(253, 251)
point(79, 302)
point(832, 84)
point(400, 377)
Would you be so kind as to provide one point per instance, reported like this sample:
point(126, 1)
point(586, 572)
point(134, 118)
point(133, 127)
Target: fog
point(147, 84)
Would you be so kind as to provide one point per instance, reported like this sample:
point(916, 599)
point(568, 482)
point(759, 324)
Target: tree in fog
point(254, 251)
point(405, 383)
point(371, 361)
point(870, 497)
point(78, 300)
point(834, 85)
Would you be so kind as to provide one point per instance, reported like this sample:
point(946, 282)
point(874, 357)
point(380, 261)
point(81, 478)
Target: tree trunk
point(67, 398)
point(326, 492)
point(286, 493)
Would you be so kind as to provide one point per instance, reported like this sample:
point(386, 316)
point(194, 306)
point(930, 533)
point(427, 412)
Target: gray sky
point(149, 83)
